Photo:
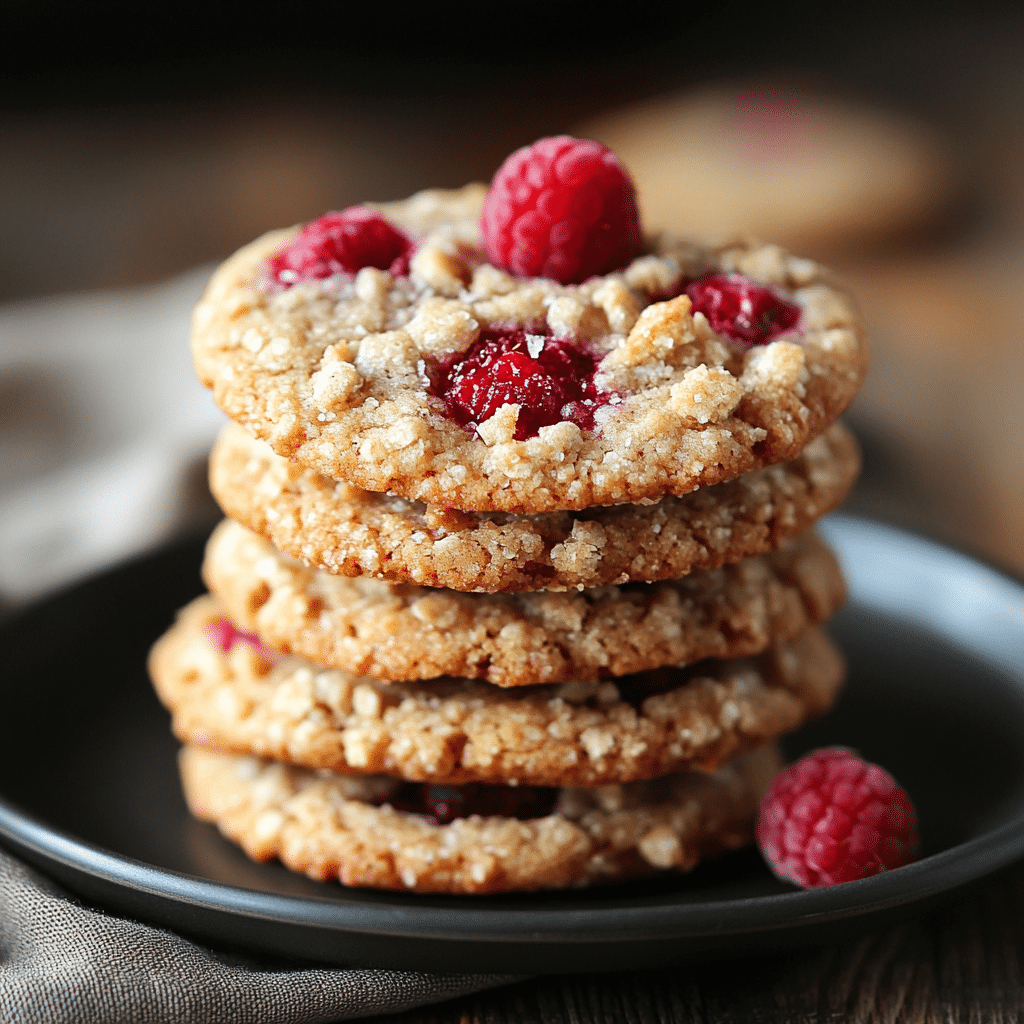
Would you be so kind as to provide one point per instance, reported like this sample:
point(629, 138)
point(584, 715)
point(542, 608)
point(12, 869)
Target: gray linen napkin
point(104, 429)
point(61, 962)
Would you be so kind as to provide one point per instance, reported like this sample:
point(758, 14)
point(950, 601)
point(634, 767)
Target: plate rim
point(41, 843)
point(994, 850)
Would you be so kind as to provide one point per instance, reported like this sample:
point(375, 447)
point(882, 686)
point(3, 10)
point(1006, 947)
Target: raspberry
point(226, 634)
point(446, 803)
point(832, 817)
point(748, 313)
point(562, 208)
point(550, 379)
point(342, 243)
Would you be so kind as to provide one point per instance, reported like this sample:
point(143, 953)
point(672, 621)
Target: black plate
point(90, 794)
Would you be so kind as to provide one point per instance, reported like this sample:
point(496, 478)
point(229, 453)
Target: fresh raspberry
point(226, 634)
point(832, 817)
point(748, 313)
point(562, 208)
point(444, 803)
point(342, 243)
point(550, 379)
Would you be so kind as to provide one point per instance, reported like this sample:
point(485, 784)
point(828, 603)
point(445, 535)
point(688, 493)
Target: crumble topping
point(693, 407)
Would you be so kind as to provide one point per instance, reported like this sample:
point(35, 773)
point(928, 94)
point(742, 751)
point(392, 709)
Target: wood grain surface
point(962, 960)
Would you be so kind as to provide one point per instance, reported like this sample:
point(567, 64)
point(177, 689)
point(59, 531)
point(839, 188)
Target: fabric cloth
point(104, 429)
point(104, 433)
point(61, 962)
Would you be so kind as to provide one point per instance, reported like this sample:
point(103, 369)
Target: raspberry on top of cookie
point(635, 369)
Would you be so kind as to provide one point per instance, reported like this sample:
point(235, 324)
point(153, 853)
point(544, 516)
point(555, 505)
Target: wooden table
point(962, 960)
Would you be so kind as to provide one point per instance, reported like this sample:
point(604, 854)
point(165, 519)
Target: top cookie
point(352, 375)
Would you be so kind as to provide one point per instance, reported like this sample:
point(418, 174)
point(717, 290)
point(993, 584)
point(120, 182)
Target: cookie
point(403, 632)
point(352, 532)
point(803, 170)
point(352, 376)
point(246, 700)
point(337, 827)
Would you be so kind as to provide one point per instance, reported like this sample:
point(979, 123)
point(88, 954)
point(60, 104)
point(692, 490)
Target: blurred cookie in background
point(816, 175)
point(938, 415)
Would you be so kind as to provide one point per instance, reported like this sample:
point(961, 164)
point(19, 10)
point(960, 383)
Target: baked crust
point(337, 374)
point(352, 532)
point(316, 824)
point(460, 730)
point(404, 632)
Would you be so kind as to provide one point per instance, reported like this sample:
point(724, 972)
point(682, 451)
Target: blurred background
point(885, 139)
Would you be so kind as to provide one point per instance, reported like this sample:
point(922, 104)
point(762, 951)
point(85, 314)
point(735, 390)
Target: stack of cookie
point(517, 588)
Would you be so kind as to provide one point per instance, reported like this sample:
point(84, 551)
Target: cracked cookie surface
point(338, 374)
point(460, 730)
point(352, 532)
point(403, 632)
point(326, 826)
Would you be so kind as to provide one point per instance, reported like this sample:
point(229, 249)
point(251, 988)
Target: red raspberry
point(562, 208)
point(748, 313)
point(226, 634)
point(445, 803)
point(550, 379)
point(832, 817)
point(342, 243)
